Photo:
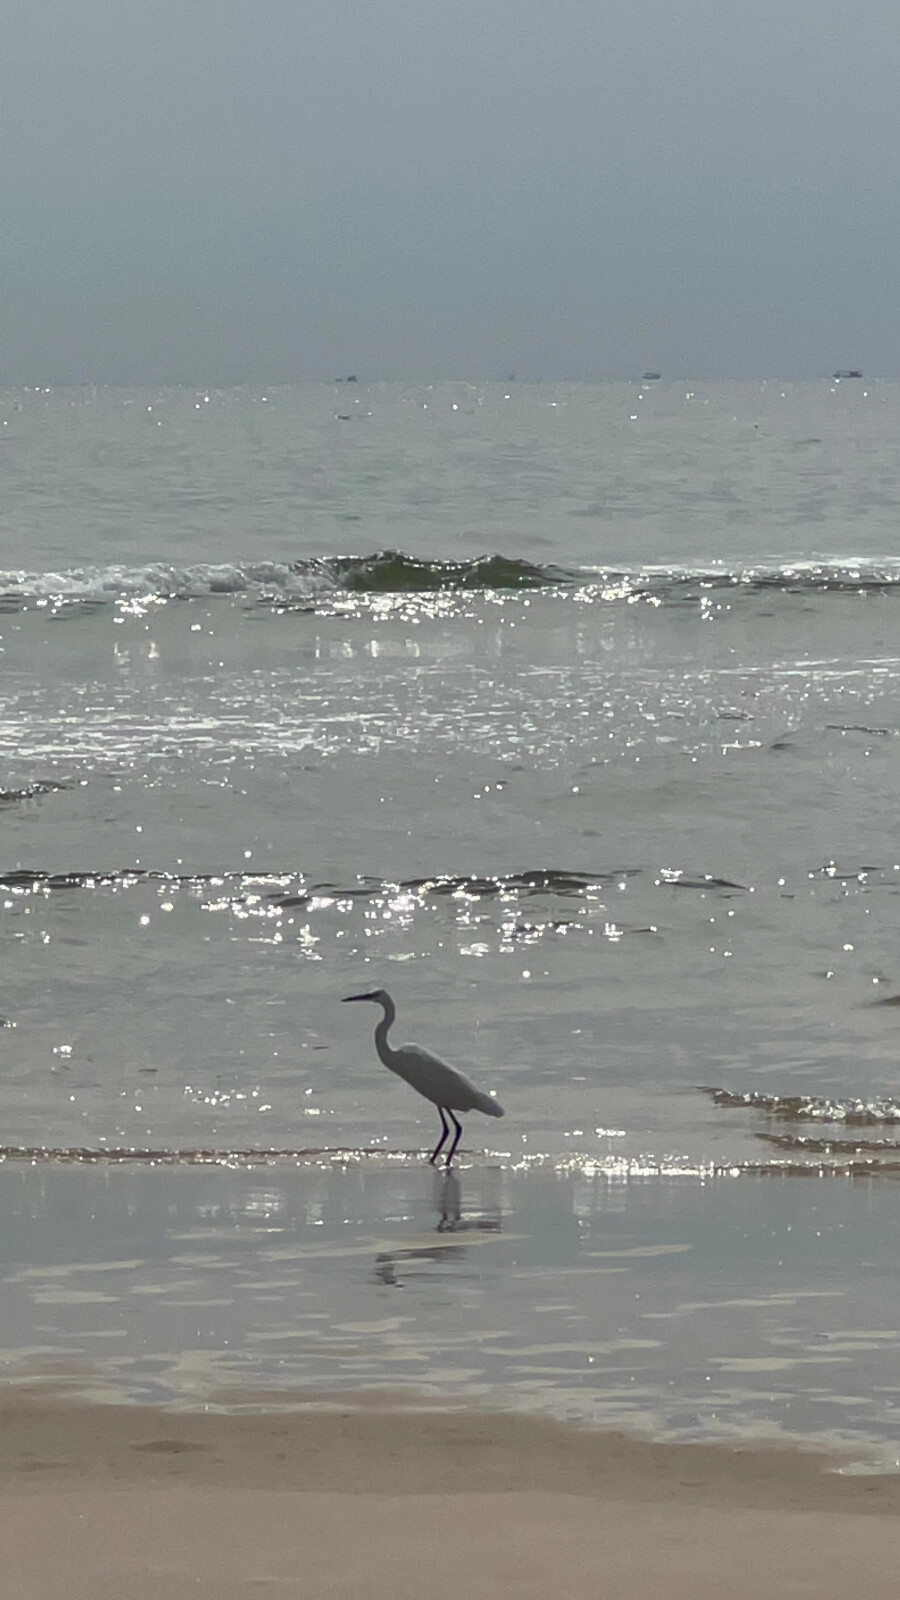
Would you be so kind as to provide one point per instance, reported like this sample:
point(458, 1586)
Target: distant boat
point(352, 379)
point(651, 377)
point(847, 372)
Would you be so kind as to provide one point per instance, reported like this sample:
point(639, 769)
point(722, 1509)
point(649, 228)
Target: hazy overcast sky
point(225, 190)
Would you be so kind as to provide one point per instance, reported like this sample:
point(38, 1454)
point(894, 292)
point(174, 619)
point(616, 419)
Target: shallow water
point(570, 715)
point(730, 1309)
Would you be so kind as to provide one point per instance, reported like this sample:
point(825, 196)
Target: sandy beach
point(345, 1503)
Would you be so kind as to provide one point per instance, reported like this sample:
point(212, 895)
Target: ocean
point(568, 713)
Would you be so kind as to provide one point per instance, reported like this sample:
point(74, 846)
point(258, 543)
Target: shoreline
point(366, 1443)
point(341, 1504)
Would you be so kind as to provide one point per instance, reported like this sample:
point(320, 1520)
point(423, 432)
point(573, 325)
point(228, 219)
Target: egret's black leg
point(443, 1139)
point(458, 1126)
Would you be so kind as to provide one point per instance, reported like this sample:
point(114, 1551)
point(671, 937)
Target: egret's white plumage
point(446, 1088)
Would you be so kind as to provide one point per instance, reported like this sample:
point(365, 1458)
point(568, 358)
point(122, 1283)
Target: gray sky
point(229, 190)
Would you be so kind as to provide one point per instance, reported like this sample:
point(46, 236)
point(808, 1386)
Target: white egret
point(442, 1085)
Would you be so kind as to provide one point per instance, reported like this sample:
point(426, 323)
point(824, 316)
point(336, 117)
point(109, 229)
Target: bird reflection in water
point(449, 1202)
point(448, 1206)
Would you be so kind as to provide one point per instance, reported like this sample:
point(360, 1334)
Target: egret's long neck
point(385, 1053)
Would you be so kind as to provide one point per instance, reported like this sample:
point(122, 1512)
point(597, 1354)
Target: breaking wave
point(331, 583)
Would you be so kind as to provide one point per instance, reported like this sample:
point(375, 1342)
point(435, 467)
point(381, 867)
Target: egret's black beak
point(348, 997)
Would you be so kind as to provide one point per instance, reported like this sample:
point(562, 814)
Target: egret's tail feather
point(490, 1107)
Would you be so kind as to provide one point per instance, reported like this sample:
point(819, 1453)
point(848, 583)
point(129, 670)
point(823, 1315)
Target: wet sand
point(344, 1503)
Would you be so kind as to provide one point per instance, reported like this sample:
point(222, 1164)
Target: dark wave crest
point(293, 888)
point(810, 1144)
point(808, 1108)
point(391, 572)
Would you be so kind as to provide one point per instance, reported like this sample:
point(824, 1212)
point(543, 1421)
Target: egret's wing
point(443, 1085)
